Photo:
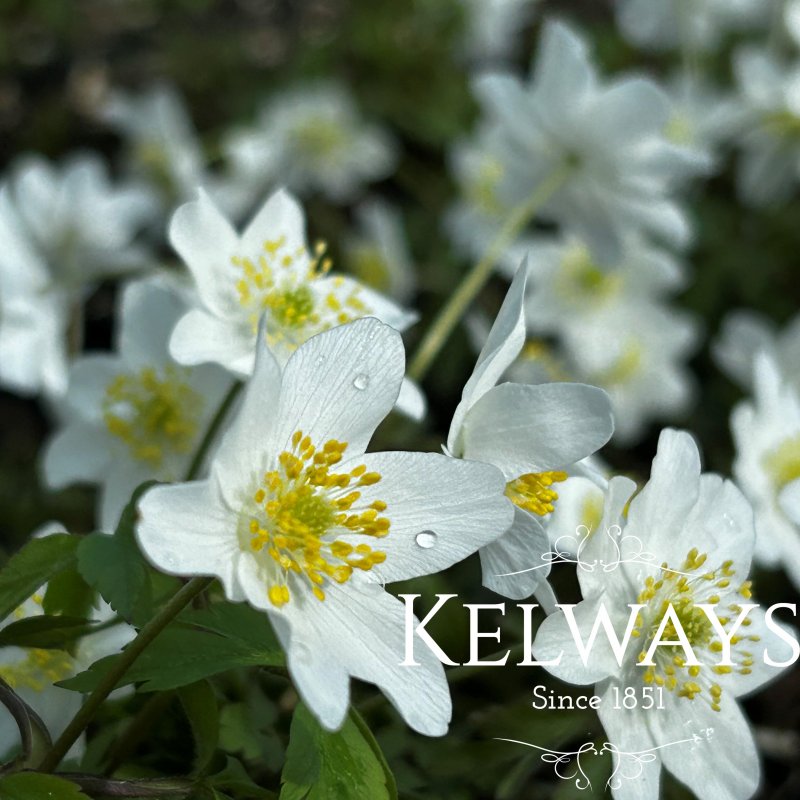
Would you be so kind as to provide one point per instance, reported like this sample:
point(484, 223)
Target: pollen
point(532, 491)
point(783, 463)
point(154, 412)
point(303, 518)
point(38, 669)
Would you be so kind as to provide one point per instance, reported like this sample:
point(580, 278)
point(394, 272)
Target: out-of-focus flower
point(769, 164)
point(297, 520)
point(697, 25)
point(493, 28)
point(766, 432)
point(744, 334)
point(311, 139)
point(378, 254)
point(32, 672)
point(534, 434)
point(61, 229)
point(135, 415)
point(600, 146)
point(698, 534)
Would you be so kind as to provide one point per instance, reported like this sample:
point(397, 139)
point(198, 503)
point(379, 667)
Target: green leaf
point(234, 778)
point(35, 786)
point(114, 566)
point(68, 594)
point(45, 632)
point(320, 765)
point(199, 701)
point(35, 564)
point(185, 652)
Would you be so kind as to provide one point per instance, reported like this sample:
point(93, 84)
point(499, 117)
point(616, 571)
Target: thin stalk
point(123, 663)
point(474, 281)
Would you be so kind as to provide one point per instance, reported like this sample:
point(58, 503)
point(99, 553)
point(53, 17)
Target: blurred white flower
point(377, 254)
point(769, 164)
point(534, 434)
point(134, 415)
point(744, 334)
point(766, 432)
point(61, 230)
point(699, 531)
point(601, 144)
point(32, 672)
point(695, 25)
point(493, 27)
point(297, 520)
point(310, 139)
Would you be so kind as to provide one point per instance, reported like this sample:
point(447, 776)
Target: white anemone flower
point(493, 27)
point(697, 536)
point(696, 25)
point(268, 270)
point(744, 334)
point(534, 434)
point(134, 415)
point(297, 520)
point(766, 432)
point(768, 169)
point(61, 230)
point(32, 672)
point(378, 253)
point(311, 138)
point(605, 141)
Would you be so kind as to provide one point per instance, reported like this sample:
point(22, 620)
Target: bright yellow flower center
point(532, 491)
point(302, 509)
point(684, 593)
point(282, 283)
point(783, 463)
point(153, 412)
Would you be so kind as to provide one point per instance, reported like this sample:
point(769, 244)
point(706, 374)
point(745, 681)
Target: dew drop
point(361, 381)
point(426, 539)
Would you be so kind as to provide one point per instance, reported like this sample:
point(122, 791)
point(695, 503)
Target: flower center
point(303, 515)
point(38, 670)
point(783, 463)
point(623, 369)
point(319, 138)
point(482, 188)
point(685, 590)
point(580, 278)
point(532, 491)
point(153, 414)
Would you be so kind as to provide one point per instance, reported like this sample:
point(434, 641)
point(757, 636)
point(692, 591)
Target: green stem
point(211, 433)
point(119, 667)
point(460, 300)
point(369, 737)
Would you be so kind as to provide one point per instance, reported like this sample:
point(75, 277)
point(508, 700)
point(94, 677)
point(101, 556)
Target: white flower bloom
point(533, 433)
point(675, 23)
point(607, 140)
point(699, 531)
point(311, 139)
point(766, 432)
point(769, 165)
point(299, 521)
point(266, 270)
point(378, 255)
point(135, 415)
point(493, 27)
point(744, 334)
point(32, 673)
point(61, 229)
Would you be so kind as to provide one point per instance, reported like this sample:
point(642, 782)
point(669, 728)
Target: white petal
point(281, 216)
point(519, 550)
point(359, 630)
point(89, 378)
point(411, 401)
point(532, 428)
point(562, 66)
point(200, 337)
point(79, 453)
point(441, 510)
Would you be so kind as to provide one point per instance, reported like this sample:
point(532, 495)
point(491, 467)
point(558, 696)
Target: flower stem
point(213, 429)
point(369, 737)
point(460, 300)
point(119, 667)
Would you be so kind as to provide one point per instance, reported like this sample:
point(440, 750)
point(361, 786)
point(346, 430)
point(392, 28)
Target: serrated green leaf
point(199, 702)
point(45, 632)
point(35, 786)
point(35, 564)
point(320, 765)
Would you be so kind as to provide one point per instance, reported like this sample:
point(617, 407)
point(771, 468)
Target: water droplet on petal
point(426, 539)
point(361, 381)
